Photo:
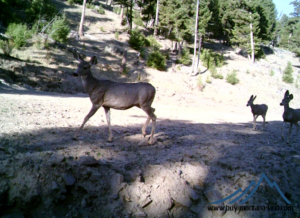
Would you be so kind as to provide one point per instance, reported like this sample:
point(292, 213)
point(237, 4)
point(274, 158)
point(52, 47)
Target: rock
point(83, 203)
point(69, 179)
point(87, 161)
point(296, 159)
point(56, 159)
point(213, 195)
point(95, 176)
point(54, 185)
point(143, 142)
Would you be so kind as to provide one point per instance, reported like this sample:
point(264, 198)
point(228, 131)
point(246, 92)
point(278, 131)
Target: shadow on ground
point(89, 176)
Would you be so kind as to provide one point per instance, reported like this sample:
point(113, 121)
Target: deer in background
point(257, 110)
point(120, 96)
point(290, 115)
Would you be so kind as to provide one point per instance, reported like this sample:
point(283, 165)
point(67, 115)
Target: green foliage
point(137, 40)
point(71, 2)
point(117, 34)
point(211, 59)
point(90, 6)
point(272, 73)
point(6, 46)
point(40, 8)
point(156, 60)
point(185, 58)
point(60, 29)
point(208, 79)
point(153, 42)
point(137, 19)
point(232, 78)
point(101, 10)
point(288, 74)
point(117, 10)
point(19, 33)
point(200, 84)
point(214, 73)
point(102, 29)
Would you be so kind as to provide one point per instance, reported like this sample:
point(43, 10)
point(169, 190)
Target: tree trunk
point(196, 36)
point(130, 15)
point(124, 61)
point(122, 12)
point(199, 51)
point(156, 18)
point(252, 42)
point(80, 31)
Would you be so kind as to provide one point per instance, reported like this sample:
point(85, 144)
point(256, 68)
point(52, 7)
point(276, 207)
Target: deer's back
point(291, 115)
point(123, 95)
point(259, 109)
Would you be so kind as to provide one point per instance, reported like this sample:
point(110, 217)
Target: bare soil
point(205, 147)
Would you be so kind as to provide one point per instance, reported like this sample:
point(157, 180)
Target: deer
point(289, 115)
point(257, 110)
point(116, 95)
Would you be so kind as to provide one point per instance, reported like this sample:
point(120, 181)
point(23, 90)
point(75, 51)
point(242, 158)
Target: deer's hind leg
point(150, 112)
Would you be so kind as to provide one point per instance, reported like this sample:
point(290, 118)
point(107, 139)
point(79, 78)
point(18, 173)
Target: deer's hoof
point(109, 139)
point(151, 141)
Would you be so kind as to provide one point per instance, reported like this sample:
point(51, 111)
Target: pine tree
point(246, 28)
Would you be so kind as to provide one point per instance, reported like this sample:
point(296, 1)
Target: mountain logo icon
point(256, 185)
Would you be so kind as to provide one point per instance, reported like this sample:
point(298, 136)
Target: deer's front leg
point(107, 113)
point(90, 114)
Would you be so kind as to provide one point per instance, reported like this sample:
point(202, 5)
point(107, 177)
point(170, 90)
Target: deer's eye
point(85, 68)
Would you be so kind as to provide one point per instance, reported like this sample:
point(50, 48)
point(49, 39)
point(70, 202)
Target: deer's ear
point(291, 96)
point(251, 97)
point(77, 56)
point(254, 98)
point(93, 60)
point(287, 93)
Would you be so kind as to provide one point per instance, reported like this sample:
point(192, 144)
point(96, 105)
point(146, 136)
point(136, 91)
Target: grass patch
point(232, 78)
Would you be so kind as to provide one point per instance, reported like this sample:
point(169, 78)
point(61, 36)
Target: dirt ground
point(205, 147)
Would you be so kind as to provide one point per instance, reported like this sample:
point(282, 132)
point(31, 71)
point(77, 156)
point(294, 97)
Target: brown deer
point(290, 115)
point(120, 96)
point(257, 110)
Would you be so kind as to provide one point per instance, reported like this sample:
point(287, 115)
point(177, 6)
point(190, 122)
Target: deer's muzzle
point(75, 74)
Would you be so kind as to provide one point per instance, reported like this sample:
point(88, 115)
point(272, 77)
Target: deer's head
point(251, 100)
point(287, 98)
point(83, 68)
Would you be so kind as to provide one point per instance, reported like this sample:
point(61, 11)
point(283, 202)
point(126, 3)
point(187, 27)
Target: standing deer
point(290, 115)
point(120, 96)
point(257, 109)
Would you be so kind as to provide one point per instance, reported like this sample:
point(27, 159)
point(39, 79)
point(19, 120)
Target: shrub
point(137, 19)
point(211, 59)
point(117, 10)
point(6, 46)
point(288, 74)
point(208, 79)
point(71, 2)
point(232, 78)
point(39, 8)
point(19, 33)
point(60, 29)
point(90, 6)
point(214, 73)
point(272, 73)
point(200, 84)
point(117, 34)
point(184, 58)
point(137, 40)
point(153, 42)
point(156, 60)
point(102, 29)
point(101, 10)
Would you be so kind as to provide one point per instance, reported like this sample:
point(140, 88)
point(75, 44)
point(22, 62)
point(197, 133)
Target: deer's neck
point(286, 107)
point(88, 81)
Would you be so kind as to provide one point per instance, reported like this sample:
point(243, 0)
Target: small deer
point(257, 110)
point(120, 96)
point(289, 115)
